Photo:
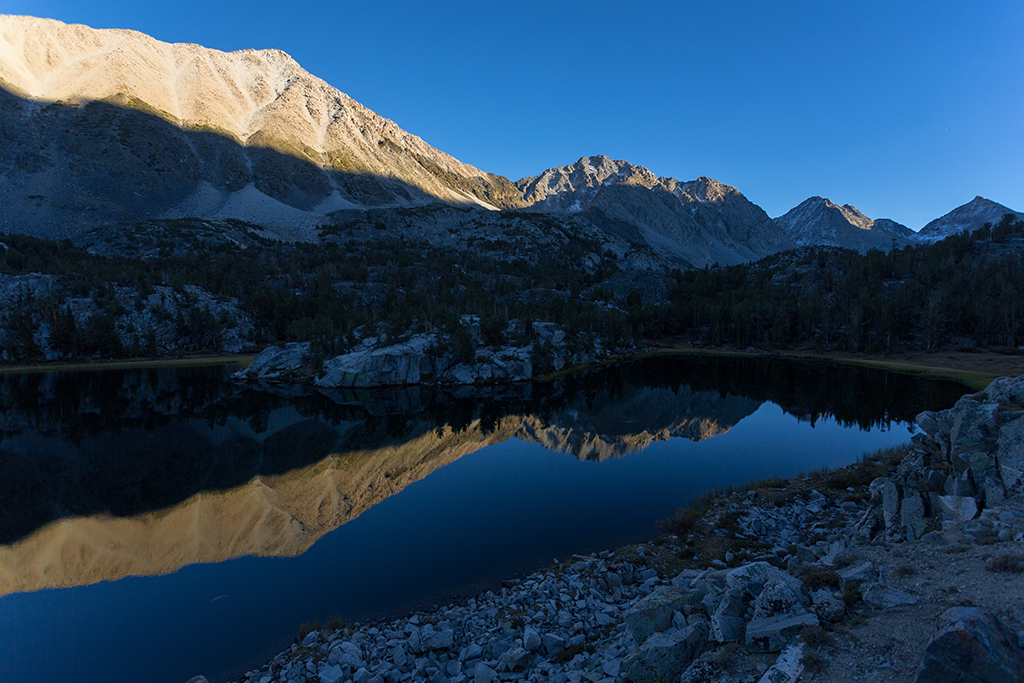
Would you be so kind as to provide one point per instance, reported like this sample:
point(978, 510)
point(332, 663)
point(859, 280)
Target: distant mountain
point(108, 128)
point(819, 222)
point(969, 217)
point(112, 125)
point(702, 221)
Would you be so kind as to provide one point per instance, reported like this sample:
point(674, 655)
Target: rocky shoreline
point(433, 359)
point(904, 567)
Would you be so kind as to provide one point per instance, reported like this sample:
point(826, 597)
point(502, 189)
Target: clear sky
point(903, 109)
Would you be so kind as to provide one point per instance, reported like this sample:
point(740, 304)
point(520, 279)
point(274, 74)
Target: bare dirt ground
point(881, 645)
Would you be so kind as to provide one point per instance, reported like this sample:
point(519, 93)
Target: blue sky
point(903, 109)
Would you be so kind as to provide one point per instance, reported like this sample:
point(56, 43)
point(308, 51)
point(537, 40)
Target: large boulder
point(1011, 455)
point(277, 361)
point(728, 624)
point(912, 516)
point(665, 656)
point(885, 597)
point(654, 613)
point(884, 492)
point(774, 633)
point(972, 646)
point(755, 576)
point(393, 365)
point(958, 509)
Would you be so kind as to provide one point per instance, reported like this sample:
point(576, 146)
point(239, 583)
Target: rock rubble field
point(907, 566)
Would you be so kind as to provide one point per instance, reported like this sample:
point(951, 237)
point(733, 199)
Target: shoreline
point(610, 617)
point(973, 369)
point(863, 573)
point(127, 364)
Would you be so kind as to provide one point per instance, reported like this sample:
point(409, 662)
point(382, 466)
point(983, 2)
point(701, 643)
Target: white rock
point(787, 668)
point(958, 508)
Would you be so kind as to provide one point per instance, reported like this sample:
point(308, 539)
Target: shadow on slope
point(70, 167)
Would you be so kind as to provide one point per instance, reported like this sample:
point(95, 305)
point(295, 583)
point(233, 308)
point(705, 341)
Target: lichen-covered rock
point(827, 606)
point(654, 613)
point(705, 669)
point(974, 646)
point(664, 656)
point(754, 576)
point(787, 668)
point(777, 599)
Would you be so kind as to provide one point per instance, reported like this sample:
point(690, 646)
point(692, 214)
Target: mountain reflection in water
point(116, 473)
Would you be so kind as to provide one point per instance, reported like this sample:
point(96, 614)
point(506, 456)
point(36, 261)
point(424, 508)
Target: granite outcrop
point(431, 358)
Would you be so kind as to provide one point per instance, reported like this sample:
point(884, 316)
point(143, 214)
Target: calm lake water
point(159, 524)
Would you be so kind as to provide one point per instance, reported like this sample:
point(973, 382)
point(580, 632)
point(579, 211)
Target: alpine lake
point(158, 524)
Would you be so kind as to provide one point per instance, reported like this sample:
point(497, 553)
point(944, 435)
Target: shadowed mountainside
point(67, 168)
point(197, 132)
point(702, 221)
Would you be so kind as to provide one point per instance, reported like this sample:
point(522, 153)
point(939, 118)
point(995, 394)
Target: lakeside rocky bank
point(904, 567)
point(468, 356)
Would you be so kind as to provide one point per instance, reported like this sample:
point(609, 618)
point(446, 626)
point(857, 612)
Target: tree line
point(190, 292)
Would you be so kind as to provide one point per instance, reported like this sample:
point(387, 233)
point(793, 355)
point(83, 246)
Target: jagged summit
point(702, 221)
point(818, 221)
point(108, 127)
point(571, 188)
point(969, 217)
point(198, 132)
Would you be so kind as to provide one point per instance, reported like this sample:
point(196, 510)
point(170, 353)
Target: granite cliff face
point(969, 217)
point(819, 222)
point(702, 221)
point(109, 125)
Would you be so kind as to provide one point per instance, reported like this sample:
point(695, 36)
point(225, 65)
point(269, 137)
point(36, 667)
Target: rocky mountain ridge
point(198, 132)
point(819, 222)
point(969, 217)
point(703, 221)
point(110, 127)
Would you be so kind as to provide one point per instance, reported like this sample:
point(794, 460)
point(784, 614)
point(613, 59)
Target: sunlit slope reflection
point(284, 514)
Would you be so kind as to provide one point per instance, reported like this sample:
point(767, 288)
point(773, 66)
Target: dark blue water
point(495, 512)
